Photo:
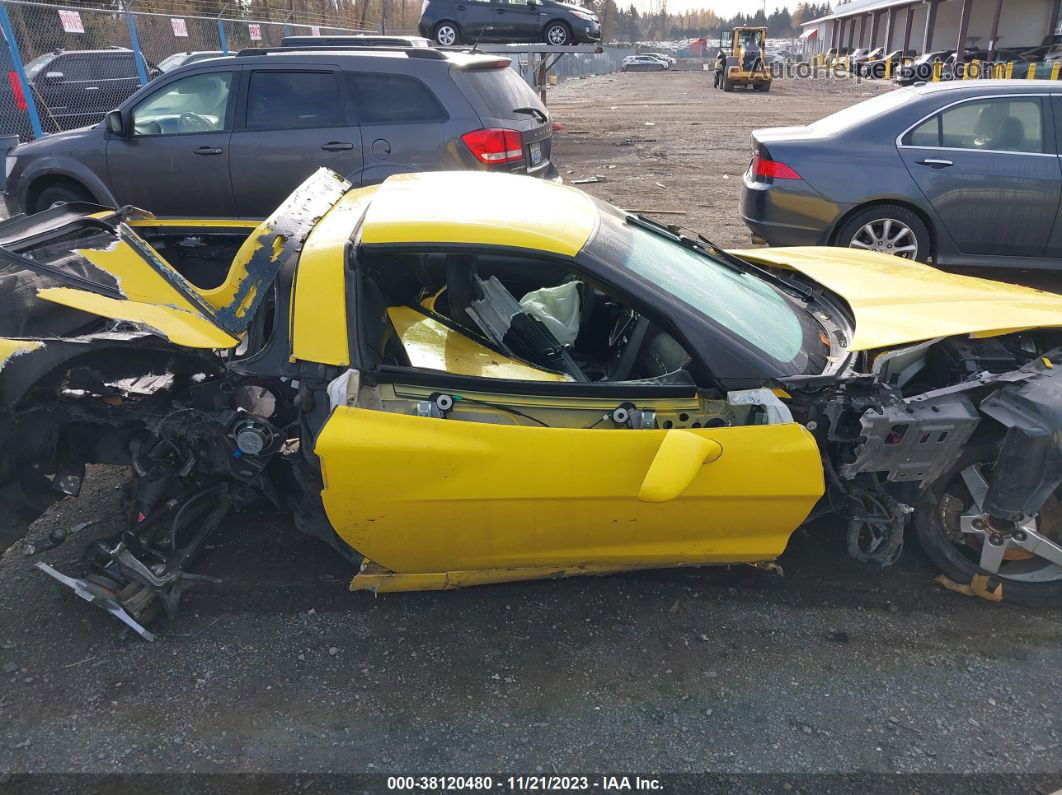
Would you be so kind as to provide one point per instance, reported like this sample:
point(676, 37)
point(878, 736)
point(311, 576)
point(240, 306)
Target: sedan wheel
point(886, 229)
point(888, 236)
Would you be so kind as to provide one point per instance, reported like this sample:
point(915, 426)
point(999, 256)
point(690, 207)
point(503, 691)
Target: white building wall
point(1023, 23)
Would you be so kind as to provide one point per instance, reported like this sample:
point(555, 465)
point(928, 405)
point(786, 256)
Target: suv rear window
point(503, 90)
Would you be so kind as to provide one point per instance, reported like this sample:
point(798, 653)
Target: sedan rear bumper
point(787, 213)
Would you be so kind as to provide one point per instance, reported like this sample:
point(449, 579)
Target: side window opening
point(197, 103)
point(496, 315)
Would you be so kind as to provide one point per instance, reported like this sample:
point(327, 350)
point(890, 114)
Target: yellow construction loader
point(746, 60)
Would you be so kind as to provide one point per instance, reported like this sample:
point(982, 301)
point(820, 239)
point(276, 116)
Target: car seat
point(1011, 136)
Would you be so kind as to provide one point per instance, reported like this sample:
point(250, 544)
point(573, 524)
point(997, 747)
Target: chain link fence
point(67, 66)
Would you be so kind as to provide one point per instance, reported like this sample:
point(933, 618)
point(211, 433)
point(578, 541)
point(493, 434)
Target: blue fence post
point(141, 66)
point(222, 37)
point(20, 72)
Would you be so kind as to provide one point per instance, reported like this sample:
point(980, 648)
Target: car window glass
point(740, 302)
point(73, 68)
point(34, 67)
point(197, 103)
point(394, 99)
point(116, 66)
point(995, 125)
point(293, 101)
point(506, 94)
point(925, 134)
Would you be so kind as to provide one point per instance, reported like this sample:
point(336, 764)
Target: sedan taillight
point(495, 146)
point(762, 168)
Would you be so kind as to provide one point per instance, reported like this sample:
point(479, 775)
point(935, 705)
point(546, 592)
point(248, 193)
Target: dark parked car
point(76, 87)
point(875, 68)
point(856, 61)
point(234, 136)
point(171, 62)
point(449, 22)
point(921, 68)
point(964, 172)
point(956, 69)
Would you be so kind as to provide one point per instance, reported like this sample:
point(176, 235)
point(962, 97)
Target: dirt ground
point(667, 142)
point(833, 667)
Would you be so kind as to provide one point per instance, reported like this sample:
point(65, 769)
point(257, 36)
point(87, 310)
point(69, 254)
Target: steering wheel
point(193, 122)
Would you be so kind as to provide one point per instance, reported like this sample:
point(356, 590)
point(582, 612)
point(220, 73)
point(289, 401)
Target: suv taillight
point(762, 168)
point(495, 146)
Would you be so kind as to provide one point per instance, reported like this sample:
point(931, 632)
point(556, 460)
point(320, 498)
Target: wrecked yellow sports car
point(463, 378)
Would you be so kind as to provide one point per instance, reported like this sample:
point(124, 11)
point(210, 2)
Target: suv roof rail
point(412, 52)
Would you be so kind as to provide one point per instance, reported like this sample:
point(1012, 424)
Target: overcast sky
point(725, 8)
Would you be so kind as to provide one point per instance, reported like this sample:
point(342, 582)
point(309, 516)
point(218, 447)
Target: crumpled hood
point(897, 301)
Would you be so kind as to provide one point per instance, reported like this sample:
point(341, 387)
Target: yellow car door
point(436, 503)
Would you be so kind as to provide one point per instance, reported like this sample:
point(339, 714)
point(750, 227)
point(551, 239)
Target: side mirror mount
point(116, 123)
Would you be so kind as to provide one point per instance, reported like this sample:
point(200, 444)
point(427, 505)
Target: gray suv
point(233, 137)
point(450, 22)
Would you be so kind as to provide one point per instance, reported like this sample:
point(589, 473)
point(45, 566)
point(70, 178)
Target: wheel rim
point(1029, 550)
point(445, 35)
point(557, 35)
point(888, 236)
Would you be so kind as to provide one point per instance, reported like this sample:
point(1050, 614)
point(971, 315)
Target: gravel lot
point(833, 667)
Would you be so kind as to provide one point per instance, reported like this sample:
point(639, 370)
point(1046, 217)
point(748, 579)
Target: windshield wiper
point(538, 114)
point(705, 246)
point(766, 273)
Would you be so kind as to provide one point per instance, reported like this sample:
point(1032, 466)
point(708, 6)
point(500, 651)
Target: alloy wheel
point(557, 35)
point(888, 236)
point(1024, 551)
point(446, 35)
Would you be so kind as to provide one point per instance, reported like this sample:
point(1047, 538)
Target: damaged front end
point(965, 434)
point(111, 355)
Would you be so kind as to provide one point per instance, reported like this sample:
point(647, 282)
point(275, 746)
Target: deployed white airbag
point(558, 309)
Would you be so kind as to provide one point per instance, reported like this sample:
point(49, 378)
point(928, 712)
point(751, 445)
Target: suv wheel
point(55, 195)
point(557, 34)
point(446, 34)
point(889, 229)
